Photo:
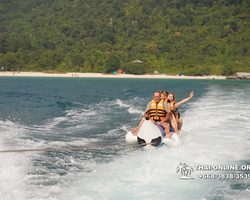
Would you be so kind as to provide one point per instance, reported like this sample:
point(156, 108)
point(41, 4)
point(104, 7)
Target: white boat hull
point(150, 134)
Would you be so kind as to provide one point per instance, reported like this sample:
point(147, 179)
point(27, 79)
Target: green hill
point(169, 36)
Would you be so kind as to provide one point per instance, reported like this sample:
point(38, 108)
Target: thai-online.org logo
point(209, 172)
point(185, 171)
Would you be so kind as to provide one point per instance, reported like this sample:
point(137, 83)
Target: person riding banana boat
point(158, 111)
point(176, 121)
point(172, 120)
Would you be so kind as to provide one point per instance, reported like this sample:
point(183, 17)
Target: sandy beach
point(100, 75)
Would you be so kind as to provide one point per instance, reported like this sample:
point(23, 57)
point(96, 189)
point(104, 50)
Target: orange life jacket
point(157, 111)
point(171, 106)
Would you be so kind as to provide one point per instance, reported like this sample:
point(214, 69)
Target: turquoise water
point(82, 112)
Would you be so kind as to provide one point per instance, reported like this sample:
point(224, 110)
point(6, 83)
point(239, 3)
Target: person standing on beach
point(158, 111)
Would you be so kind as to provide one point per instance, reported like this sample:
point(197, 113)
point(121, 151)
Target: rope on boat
point(73, 148)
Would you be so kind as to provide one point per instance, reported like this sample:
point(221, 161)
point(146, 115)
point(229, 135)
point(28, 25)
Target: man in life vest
point(158, 112)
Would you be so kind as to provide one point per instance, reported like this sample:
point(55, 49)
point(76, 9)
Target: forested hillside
point(169, 36)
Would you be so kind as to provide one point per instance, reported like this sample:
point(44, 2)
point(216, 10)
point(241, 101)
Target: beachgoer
point(158, 112)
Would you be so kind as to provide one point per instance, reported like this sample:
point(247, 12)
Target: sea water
point(40, 113)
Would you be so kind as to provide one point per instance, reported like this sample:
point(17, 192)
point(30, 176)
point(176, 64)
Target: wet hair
point(172, 94)
point(164, 92)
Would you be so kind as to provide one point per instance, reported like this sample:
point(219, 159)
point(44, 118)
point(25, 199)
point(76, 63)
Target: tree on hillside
point(97, 36)
point(133, 68)
point(111, 64)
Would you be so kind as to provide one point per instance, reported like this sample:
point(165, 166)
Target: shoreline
point(100, 75)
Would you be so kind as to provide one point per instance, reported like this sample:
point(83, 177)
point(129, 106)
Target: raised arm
point(184, 100)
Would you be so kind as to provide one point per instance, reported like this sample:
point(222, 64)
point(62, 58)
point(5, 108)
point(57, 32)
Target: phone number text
point(224, 176)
